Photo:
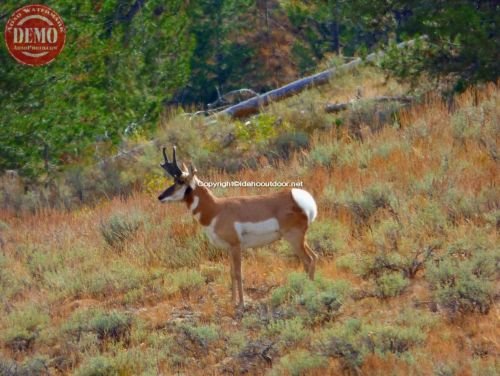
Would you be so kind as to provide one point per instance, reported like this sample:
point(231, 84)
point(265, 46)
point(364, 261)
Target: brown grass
point(421, 147)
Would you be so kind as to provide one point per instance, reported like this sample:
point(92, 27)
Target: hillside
point(407, 234)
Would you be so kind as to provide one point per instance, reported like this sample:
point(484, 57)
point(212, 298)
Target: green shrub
point(445, 369)
point(327, 237)
point(390, 284)
point(464, 285)
point(299, 362)
point(387, 234)
point(288, 331)
point(113, 325)
point(461, 205)
point(321, 299)
point(324, 154)
point(11, 283)
point(183, 280)
point(429, 218)
point(485, 367)
point(187, 254)
point(394, 339)
point(236, 342)
point(363, 206)
point(288, 142)
point(120, 227)
point(23, 327)
point(97, 366)
point(203, 334)
point(353, 339)
point(31, 366)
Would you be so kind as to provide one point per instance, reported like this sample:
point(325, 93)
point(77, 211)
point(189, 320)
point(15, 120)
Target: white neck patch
point(194, 204)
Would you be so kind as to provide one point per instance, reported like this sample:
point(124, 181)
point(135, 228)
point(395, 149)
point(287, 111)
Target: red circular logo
point(35, 35)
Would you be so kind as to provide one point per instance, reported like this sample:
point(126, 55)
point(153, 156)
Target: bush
point(97, 366)
point(11, 283)
point(120, 227)
point(112, 325)
point(390, 284)
point(183, 280)
point(321, 299)
point(23, 327)
point(32, 366)
point(288, 331)
point(288, 142)
point(353, 339)
point(364, 206)
point(327, 237)
point(464, 285)
point(325, 154)
point(299, 362)
point(203, 334)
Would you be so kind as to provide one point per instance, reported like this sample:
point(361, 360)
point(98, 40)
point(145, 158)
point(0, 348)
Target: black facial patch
point(168, 192)
point(188, 191)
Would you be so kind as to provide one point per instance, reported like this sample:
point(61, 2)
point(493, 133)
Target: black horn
point(171, 167)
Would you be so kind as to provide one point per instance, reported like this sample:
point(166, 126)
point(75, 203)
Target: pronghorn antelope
point(237, 223)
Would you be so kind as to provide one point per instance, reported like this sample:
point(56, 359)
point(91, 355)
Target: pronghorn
point(237, 223)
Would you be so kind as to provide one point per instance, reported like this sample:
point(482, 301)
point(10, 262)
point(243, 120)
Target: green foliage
point(288, 142)
point(390, 285)
point(353, 339)
point(183, 280)
point(23, 327)
point(120, 227)
point(364, 205)
point(10, 282)
point(106, 325)
point(203, 334)
point(299, 362)
point(320, 299)
point(117, 66)
point(463, 279)
point(220, 58)
point(289, 331)
point(325, 154)
point(258, 129)
point(31, 366)
point(451, 49)
point(187, 254)
point(327, 237)
point(97, 366)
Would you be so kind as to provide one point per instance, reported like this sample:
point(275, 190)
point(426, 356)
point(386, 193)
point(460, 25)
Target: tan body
point(237, 223)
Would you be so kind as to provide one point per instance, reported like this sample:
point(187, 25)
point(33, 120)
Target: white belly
point(257, 234)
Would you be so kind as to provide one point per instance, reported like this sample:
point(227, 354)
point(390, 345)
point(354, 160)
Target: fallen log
point(337, 107)
point(252, 106)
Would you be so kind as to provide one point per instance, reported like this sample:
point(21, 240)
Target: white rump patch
point(306, 203)
point(213, 237)
point(256, 234)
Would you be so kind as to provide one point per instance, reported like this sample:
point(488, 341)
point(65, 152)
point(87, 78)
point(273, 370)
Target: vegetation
point(405, 255)
point(98, 278)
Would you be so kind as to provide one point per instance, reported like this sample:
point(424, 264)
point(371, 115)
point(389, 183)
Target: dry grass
point(426, 181)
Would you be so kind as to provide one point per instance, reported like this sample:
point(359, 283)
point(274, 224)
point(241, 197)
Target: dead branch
point(253, 105)
point(337, 107)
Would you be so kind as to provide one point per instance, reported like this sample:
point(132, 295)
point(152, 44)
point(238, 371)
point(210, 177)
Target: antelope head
point(184, 180)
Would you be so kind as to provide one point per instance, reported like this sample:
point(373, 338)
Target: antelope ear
point(192, 169)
